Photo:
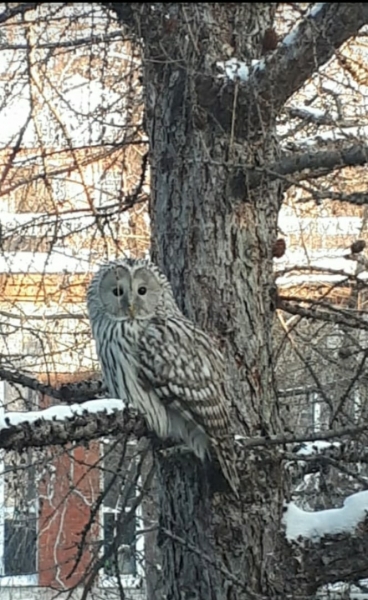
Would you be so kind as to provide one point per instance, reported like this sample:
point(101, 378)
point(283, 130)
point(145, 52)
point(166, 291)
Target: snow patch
point(315, 525)
point(310, 448)
point(308, 112)
point(290, 38)
point(315, 9)
point(235, 69)
point(334, 135)
point(61, 412)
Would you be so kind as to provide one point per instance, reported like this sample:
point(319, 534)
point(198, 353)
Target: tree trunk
point(214, 241)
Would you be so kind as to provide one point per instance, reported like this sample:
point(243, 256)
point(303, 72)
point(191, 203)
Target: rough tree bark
point(213, 227)
point(215, 249)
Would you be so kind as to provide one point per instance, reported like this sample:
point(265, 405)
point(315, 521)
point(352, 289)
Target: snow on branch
point(290, 38)
point(60, 412)
point(337, 453)
point(261, 91)
point(66, 424)
point(311, 115)
point(238, 70)
point(312, 43)
point(315, 525)
point(334, 552)
point(316, 447)
point(332, 544)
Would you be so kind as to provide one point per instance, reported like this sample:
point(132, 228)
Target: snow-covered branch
point(317, 524)
point(67, 424)
point(269, 85)
point(330, 545)
point(326, 456)
point(346, 451)
point(311, 115)
point(311, 44)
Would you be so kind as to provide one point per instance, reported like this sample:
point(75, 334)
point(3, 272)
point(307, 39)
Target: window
point(20, 537)
point(120, 490)
point(126, 560)
point(18, 510)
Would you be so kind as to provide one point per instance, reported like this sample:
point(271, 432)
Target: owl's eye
point(142, 290)
point(118, 291)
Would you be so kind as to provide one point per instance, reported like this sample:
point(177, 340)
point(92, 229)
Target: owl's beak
point(131, 311)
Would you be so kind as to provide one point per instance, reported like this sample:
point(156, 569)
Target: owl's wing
point(183, 366)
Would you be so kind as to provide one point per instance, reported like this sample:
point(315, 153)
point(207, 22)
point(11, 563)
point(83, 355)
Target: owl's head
point(127, 289)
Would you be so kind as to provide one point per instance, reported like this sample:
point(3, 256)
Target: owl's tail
point(225, 454)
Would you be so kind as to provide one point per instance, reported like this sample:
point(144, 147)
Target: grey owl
point(157, 360)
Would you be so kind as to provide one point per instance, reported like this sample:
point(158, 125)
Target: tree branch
point(322, 162)
point(330, 560)
point(70, 392)
point(282, 439)
point(88, 40)
point(309, 117)
point(321, 315)
point(357, 198)
point(88, 425)
point(310, 45)
point(77, 429)
point(318, 164)
point(273, 81)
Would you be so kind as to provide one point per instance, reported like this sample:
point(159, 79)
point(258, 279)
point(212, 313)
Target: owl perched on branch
point(158, 361)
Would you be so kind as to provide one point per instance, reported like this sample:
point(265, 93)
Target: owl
point(155, 359)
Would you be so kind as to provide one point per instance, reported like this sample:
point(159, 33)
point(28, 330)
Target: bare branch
point(357, 198)
point(317, 164)
point(322, 315)
point(282, 439)
point(71, 392)
point(84, 41)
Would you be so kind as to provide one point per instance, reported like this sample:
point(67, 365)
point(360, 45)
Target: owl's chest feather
point(119, 356)
point(120, 363)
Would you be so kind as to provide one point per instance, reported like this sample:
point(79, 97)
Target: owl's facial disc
point(129, 295)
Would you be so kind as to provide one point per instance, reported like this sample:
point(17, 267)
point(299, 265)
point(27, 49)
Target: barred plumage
point(157, 360)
